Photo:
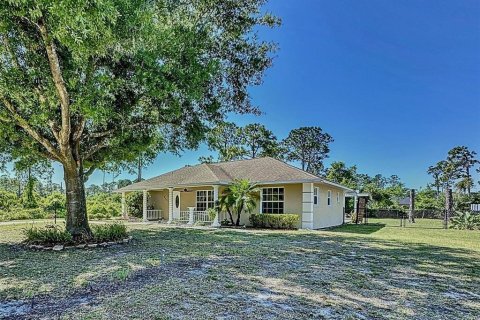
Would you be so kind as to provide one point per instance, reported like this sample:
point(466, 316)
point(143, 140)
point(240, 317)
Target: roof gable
point(259, 170)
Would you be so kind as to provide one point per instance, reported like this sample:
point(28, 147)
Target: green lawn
point(375, 271)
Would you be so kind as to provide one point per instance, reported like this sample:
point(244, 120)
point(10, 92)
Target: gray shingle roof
point(261, 170)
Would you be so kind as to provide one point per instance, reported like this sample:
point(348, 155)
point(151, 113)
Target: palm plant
point(226, 203)
point(241, 196)
point(465, 221)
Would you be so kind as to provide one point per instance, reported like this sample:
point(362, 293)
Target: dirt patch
point(47, 306)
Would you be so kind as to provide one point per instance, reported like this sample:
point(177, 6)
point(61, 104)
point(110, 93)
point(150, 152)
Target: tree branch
point(79, 129)
point(94, 149)
point(54, 130)
point(112, 131)
point(88, 173)
point(56, 71)
point(30, 130)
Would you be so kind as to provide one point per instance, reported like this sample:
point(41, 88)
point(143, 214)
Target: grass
point(379, 270)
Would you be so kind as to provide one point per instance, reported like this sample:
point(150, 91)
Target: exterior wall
point(159, 201)
point(325, 216)
point(293, 202)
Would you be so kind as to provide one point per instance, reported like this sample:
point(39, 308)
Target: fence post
point(411, 212)
point(190, 215)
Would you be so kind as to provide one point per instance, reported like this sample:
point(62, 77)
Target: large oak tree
point(89, 83)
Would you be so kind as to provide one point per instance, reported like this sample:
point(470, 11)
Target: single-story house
point(185, 194)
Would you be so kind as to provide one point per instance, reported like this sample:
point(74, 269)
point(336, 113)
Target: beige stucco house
point(185, 194)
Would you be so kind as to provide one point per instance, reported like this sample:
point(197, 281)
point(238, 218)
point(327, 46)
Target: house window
point(273, 200)
point(338, 197)
point(329, 197)
point(315, 196)
point(205, 200)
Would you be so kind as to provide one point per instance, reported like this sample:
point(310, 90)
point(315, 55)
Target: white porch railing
point(198, 216)
point(201, 216)
point(154, 214)
point(184, 216)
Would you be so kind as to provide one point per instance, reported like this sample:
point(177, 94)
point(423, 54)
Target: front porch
point(178, 205)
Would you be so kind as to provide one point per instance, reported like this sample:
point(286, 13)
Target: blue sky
point(396, 83)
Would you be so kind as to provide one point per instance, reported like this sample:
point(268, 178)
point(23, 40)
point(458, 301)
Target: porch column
point(145, 197)
point(355, 204)
point(307, 206)
point(170, 205)
point(191, 220)
point(124, 207)
point(216, 222)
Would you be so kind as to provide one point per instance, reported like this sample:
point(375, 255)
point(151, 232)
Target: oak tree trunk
point(76, 219)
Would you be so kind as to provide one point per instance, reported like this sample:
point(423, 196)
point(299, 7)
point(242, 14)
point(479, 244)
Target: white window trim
point(338, 197)
point(261, 198)
point(316, 196)
point(329, 198)
point(207, 202)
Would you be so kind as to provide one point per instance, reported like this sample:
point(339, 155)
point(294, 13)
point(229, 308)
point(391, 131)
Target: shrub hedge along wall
point(275, 221)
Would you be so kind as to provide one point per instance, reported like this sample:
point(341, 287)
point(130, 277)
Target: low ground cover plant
point(55, 234)
point(109, 232)
point(275, 221)
point(49, 235)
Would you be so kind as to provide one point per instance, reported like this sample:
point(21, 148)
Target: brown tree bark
point(231, 216)
point(468, 177)
point(76, 219)
point(239, 212)
point(448, 206)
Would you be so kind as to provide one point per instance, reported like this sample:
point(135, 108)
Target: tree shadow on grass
point(369, 278)
point(359, 228)
point(316, 273)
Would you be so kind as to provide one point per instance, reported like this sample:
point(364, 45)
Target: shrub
point(103, 206)
point(212, 213)
point(225, 222)
point(8, 200)
point(109, 232)
point(276, 221)
point(48, 235)
point(465, 221)
point(55, 203)
point(24, 214)
point(134, 203)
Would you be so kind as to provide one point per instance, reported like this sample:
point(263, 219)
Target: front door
point(176, 204)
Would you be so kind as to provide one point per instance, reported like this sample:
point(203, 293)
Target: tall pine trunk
point(411, 211)
point(77, 222)
point(468, 181)
point(448, 206)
